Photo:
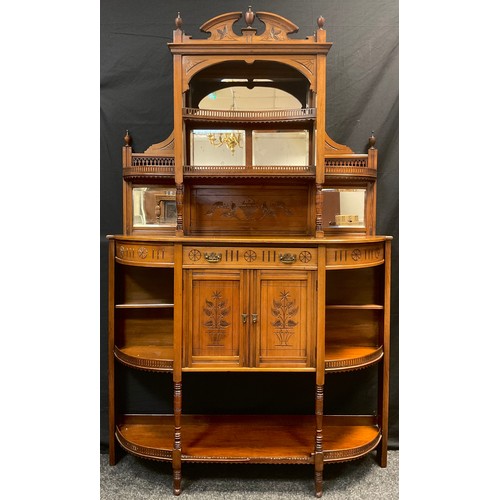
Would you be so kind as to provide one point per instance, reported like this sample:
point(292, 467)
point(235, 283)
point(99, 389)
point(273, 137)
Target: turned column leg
point(318, 451)
point(176, 454)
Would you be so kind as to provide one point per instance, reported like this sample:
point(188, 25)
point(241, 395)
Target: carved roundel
point(356, 254)
point(250, 255)
point(143, 252)
point(305, 256)
point(194, 254)
point(121, 251)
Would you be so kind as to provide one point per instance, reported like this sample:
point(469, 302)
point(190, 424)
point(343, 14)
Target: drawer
point(144, 254)
point(243, 257)
point(354, 255)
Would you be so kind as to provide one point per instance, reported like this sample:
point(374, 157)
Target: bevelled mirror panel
point(344, 208)
point(154, 206)
point(280, 147)
point(217, 147)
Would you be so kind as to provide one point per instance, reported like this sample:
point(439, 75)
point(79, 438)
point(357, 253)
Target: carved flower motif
point(143, 252)
point(356, 254)
point(305, 256)
point(194, 254)
point(250, 255)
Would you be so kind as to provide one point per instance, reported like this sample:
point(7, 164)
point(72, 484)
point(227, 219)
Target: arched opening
point(282, 78)
point(239, 98)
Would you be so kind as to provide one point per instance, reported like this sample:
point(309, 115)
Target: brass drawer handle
point(213, 257)
point(288, 258)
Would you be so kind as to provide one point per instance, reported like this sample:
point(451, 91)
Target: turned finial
point(127, 139)
point(249, 17)
point(371, 141)
point(321, 22)
point(178, 21)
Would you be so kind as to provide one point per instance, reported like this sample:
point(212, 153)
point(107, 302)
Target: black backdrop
point(362, 95)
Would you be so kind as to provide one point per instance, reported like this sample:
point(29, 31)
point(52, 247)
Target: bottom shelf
point(248, 438)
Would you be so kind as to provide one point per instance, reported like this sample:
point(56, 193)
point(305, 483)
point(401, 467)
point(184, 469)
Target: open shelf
point(144, 336)
point(349, 357)
point(143, 287)
point(349, 437)
point(355, 307)
point(248, 438)
point(147, 357)
point(146, 304)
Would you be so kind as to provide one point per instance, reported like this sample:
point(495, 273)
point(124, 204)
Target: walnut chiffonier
point(249, 245)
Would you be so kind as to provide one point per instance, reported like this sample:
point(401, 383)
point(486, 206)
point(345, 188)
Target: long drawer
point(243, 257)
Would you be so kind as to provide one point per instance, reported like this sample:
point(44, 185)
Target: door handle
point(254, 318)
point(244, 317)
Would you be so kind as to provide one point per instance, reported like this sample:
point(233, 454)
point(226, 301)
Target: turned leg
point(176, 454)
point(318, 452)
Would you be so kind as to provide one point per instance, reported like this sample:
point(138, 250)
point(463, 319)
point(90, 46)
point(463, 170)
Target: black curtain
point(362, 96)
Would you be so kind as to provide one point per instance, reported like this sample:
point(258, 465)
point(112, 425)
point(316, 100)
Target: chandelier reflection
point(229, 139)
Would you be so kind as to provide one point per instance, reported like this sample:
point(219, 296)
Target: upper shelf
point(274, 115)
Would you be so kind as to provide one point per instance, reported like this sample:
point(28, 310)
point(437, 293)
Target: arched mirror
point(239, 98)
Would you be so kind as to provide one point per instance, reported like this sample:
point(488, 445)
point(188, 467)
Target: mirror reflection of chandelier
point(230, 139)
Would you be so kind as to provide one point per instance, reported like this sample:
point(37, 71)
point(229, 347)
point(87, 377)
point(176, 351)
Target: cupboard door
point(214, 321)
point(284, 327)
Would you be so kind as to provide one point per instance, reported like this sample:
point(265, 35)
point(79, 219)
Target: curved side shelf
point(346, 358)
point(150, 358)
point(144, 254)
point(147, 436)
point(355, 255)
point(348, 442)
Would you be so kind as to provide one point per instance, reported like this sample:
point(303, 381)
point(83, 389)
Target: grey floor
point(137, 479)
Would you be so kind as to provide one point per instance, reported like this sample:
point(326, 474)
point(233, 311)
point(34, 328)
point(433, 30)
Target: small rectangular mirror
point(280, 147)
point(216, 148)
point(154, 206)
point(344, 208)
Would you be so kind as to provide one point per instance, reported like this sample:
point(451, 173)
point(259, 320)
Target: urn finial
point(372, 140)
point(178, 21)
point(321, 22)
point(249, 17)
point(127, 139)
